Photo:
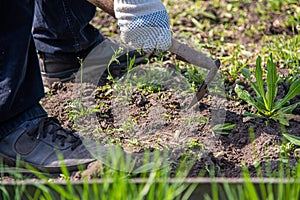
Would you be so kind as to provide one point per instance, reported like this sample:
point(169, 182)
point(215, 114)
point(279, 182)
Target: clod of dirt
point(93, 170)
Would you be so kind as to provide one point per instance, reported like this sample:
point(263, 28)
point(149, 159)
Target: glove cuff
point(129, 8)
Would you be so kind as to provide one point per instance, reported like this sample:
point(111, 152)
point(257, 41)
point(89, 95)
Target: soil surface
point(166, 123)
point(160, 118)
point(157, 116)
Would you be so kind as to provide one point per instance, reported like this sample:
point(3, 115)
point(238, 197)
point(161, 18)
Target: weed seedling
point(264, 101)
point(223, 128)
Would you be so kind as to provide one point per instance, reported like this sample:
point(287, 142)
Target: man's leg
point(65, 35)
point(26, 133)
point(62, 34)
point(62, 26)
point(20, 83)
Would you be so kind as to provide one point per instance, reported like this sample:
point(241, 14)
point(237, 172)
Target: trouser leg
point(21, 85)
point(63, 26)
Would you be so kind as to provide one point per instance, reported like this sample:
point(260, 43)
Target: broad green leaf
point(251, 115)
point(289, 109)
point(293, 91)
point(260, 102)
point(259, 79)
point(272, 79)
point(246, 73)
point(281, 119)
point(292, 138)
point(244, 95)
point(224, 127)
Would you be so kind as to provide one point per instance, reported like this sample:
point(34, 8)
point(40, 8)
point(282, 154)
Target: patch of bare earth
point(162, 120)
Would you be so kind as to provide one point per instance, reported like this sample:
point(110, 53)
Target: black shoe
point(63, 67)
point(44, 144)
point(60, 67)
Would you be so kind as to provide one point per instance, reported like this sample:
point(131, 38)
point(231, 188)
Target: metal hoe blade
point(202, 90)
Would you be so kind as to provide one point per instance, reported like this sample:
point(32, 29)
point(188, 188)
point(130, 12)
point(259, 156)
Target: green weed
point(193, 143)
point(194, 77)
point(265, 101)
point(79, 110)
point(223, 129)
point(285, 50)
point(114, 184)
point(287, 148)
point(292, 139)
point(276, 5)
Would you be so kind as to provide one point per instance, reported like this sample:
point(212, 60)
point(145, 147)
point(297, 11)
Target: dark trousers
point(21, 85)
point(63, 26)
point(57, 26)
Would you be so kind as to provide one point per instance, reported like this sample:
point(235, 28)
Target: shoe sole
point(11, 162)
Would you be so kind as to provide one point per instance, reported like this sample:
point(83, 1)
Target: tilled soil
point(162, 119)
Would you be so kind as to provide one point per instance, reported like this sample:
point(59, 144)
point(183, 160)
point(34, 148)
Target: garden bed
point(147, 108)
point(238, 33)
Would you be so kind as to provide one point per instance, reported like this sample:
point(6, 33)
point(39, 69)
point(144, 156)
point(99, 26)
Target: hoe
point(182, 51)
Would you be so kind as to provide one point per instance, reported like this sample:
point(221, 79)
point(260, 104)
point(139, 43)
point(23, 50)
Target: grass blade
point(250, 190)
point(223, 128)
point(260, 102)
point(248, 114)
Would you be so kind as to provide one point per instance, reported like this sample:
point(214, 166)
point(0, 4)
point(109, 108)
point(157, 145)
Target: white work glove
point(144, 24)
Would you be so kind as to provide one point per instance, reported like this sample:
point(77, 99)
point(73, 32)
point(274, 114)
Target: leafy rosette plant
point(265, 100)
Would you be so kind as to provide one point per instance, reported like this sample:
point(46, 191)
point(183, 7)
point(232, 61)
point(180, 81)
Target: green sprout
point(265, 100)
point(223, 129)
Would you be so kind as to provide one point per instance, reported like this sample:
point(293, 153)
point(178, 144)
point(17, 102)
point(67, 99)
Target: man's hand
point(144, 24)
